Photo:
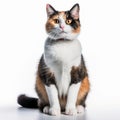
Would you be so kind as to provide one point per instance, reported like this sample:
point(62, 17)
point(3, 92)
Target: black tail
point(27, 102)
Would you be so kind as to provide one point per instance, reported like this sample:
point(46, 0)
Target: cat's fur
point(62, 80)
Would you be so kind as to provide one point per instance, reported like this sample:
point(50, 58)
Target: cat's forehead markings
point(58, 15)
point(62, 15)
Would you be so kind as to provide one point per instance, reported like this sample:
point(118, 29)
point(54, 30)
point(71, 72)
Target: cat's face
point(64, 24)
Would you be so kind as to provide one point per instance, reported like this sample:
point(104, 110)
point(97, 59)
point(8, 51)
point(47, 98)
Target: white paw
point(71, 111)
point(80, 109)
point(54, 111)
point(46, 109)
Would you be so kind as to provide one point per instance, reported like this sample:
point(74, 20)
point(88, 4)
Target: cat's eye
point(68, 21)
point(56, 21)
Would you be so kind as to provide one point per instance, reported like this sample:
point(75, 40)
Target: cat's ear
point(50, 10)
point(74, 11)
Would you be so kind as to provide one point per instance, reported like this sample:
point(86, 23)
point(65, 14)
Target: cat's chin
point(71, 36)
point(64, 36)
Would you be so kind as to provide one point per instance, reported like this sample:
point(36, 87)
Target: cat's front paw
point(54, 111)
point(71, 111)
point(80, 109)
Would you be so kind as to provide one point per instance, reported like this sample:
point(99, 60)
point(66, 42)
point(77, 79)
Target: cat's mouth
point(63, 32)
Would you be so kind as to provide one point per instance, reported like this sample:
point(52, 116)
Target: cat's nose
point(62, 27)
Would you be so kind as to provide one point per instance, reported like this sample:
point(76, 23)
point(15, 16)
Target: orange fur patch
point(84, 89)
point(41, 91)
point(50, 23)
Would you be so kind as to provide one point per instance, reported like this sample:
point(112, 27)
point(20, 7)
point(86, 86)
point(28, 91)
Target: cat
point(62, 82)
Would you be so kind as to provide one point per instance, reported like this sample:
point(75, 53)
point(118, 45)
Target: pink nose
point(62, 27)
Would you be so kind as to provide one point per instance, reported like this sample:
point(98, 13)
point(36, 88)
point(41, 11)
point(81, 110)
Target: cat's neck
point(53, 41)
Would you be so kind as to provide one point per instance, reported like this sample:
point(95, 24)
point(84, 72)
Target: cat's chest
point(64, 52)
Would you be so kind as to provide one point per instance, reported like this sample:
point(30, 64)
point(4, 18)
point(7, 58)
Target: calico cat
point(62, 82)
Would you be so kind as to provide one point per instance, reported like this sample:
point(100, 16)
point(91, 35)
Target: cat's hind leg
point(82, 95)
point(42, 94)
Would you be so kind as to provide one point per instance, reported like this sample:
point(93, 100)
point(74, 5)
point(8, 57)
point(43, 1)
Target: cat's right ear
point(50, 10)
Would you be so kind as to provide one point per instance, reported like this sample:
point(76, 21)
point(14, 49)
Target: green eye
point(56, 21)
point(68, 21)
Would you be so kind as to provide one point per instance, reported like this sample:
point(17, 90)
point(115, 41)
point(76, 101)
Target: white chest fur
point(60, 57)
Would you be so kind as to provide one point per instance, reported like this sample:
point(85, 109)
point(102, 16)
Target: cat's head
point(63, 24)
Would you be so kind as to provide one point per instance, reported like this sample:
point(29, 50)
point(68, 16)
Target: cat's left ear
point(74, 11)
point(50, 10)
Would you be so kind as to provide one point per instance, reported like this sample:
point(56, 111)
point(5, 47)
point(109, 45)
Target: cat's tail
point(28, 102)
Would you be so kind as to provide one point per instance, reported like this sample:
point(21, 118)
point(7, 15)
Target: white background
point(22, 37)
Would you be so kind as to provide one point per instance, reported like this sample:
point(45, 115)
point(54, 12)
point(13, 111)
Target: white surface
point(16, 113)
point(22, 37)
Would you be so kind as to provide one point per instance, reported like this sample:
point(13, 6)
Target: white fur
point(60, 58)
point(53, 99)
point(71, 99)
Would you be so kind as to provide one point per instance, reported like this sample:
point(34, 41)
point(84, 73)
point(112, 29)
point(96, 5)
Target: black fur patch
point(44, 73)
point(78, 73)
point(28, 102)
point(74, 22)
